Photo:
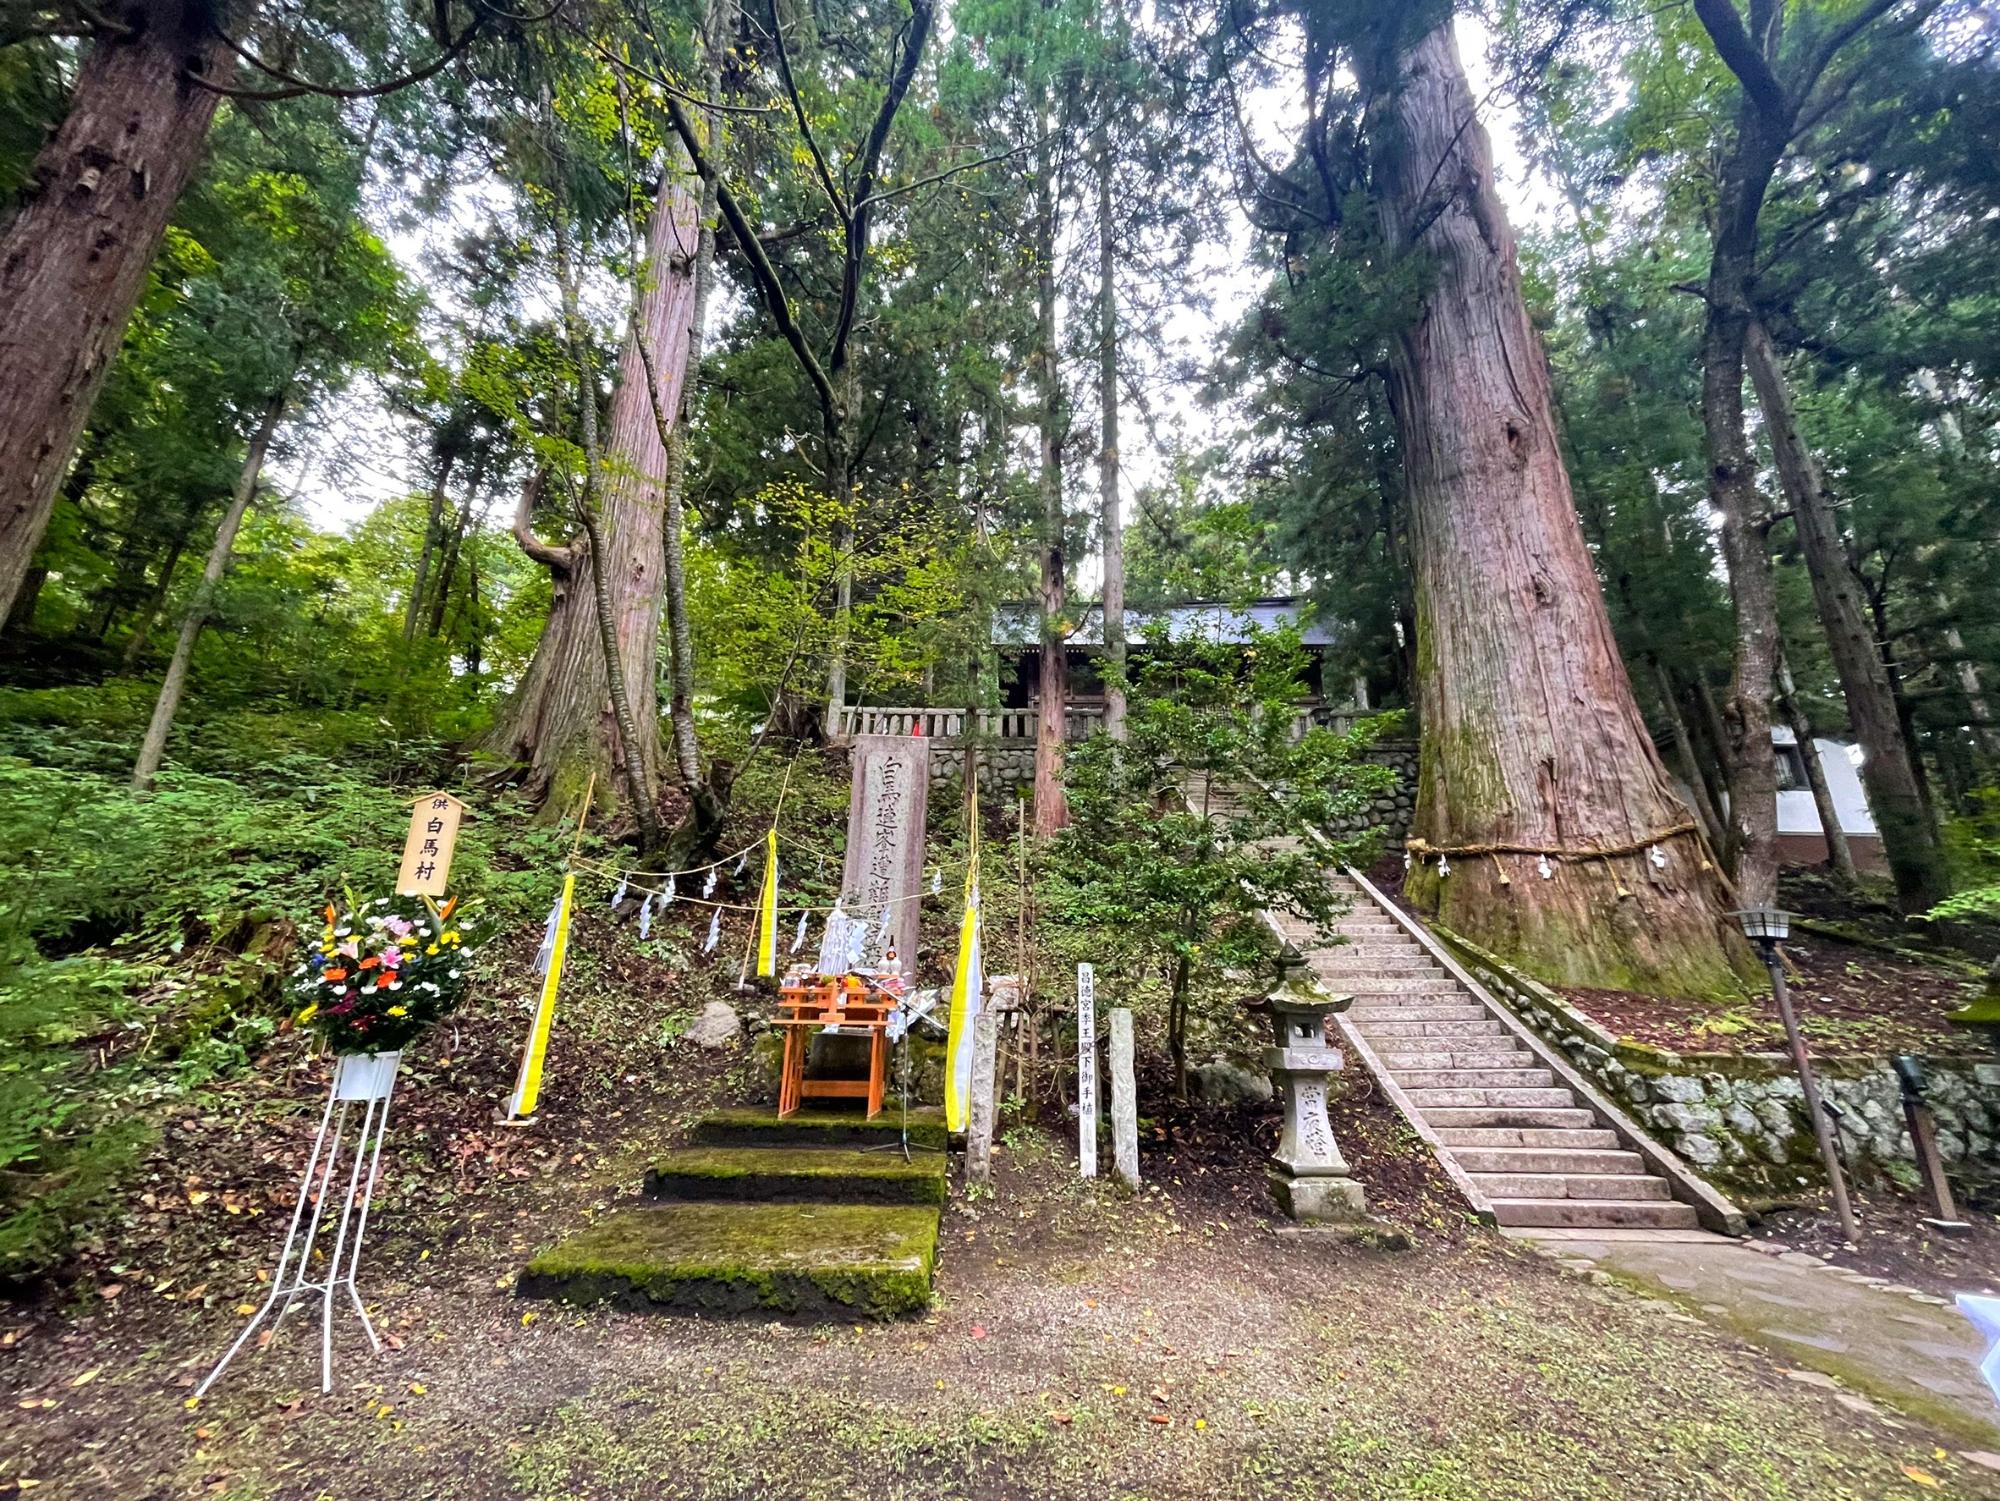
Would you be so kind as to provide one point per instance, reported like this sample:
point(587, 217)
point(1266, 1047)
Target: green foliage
point(143, 943)
point(1177, 846)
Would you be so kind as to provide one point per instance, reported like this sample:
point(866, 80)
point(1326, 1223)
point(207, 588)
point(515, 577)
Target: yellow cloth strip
point(964, 993)
point(528, 1088)
point(767, 909)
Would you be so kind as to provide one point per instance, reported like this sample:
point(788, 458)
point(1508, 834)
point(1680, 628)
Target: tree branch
point(833, 193)
point(296, 86)
point(1740, 55)
point(560, 561)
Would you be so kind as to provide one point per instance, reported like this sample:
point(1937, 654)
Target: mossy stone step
point(794, 1174)
point(826, 1128)
point(841, 1259)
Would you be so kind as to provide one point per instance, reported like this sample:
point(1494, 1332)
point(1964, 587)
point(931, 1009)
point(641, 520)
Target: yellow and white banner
point(767, 909)
point(528, 1083)
point(966, 987)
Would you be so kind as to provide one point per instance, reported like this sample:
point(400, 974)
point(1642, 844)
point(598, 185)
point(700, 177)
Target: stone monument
point(1124, 1100)
point(881, 882)
point(1308, 1176)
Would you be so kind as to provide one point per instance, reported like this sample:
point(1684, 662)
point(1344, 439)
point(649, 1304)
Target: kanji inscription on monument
point(427, 852)
point(1086, 1070)
point(882, 880)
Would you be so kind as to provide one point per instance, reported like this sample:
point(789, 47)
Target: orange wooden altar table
point(841, 1005)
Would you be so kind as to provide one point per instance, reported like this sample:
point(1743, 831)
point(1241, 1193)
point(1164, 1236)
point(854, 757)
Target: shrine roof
point(1198, 620)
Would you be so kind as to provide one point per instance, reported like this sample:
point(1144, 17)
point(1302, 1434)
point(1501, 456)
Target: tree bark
point(74, 254)
point(1051, 806)
point(1839, 856)
point(154, 747)
point(1909, 840)
point(1107, 451)
point(1531, 736)
point(562, 723)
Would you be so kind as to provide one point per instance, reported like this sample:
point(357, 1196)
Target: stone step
point(794, 1174)
point(1344, 960)
point(1427, 1100)
point(1570, 1160)
point(1417, 1009)
point(1594, 1214)
point(1498, 1057)
point(1368, 927)
point(1360, 986)
point(1402, 1027)
point(839, 1260)
point(1475, 1078)
point(1593, 1186)
point(1494, 1117)
point(1586, 1138)
point(824, 1127)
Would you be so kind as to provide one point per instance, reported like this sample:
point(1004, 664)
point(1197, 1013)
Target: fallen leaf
point(1159, 1394)
point(1164, 1419)
point(110, 1290)
point(529, 1317)
point(979, 1331)
point(416, 1388)
point(1060, 1417)
point(1921, 1477)
point(246, 1309)
point(1201, 1422)
point(88, 1376)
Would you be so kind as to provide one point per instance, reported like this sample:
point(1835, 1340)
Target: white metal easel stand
point(367, 1080)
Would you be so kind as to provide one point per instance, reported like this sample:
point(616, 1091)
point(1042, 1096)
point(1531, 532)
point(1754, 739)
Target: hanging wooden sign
point(434, 821)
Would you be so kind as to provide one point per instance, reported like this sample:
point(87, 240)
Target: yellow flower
point(451, 937)
point(399, 1011)
point(408, 943)
point(432, 949)
point(309, 1013)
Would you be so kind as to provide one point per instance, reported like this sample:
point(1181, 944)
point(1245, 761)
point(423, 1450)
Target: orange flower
point(369, 963)
point(333, 974)
point(330, 913)
point(449, 908)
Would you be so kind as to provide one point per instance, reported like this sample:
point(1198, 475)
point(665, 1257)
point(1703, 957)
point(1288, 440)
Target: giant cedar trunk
point(1531, 736)
point(1909, 840)
point(559, 722)
point(1051, 805)
point(74, 256)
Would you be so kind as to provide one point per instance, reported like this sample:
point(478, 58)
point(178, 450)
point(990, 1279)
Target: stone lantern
point(1308, 1176)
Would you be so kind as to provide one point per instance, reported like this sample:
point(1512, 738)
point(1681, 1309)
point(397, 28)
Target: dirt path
point(1891, 1342)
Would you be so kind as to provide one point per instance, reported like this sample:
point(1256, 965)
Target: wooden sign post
point(1086, 1069)
point(427, 852)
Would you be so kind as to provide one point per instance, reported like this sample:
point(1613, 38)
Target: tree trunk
point(667, 317)
point(154, 746)
point(1530, 734)
point(1051, 806)
point(74, 255)
point(1909, 841)
point(142, 628)
point(561, 723)
point(1107, 451)
point(433, 525)
point(440, 595)
point(1690, 764)
point(1732, 487)
point(840, 485)
point(628, 620)
point(1838, 855)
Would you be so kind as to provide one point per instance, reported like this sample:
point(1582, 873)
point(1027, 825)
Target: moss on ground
point(834, 1128)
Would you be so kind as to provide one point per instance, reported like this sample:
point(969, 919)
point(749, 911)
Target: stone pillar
point(1124, 1100)
point(1308, 1176)
point(979, 1122)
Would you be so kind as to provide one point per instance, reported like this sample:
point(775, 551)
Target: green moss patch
point(827, 1128)
point(843, 1259)
point(791, 1174)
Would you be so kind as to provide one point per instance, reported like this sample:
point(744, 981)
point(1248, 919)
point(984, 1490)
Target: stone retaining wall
point(1742, 1115)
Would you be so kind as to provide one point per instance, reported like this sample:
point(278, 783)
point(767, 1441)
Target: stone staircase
point(1536, 1151)
point(818, 1215)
